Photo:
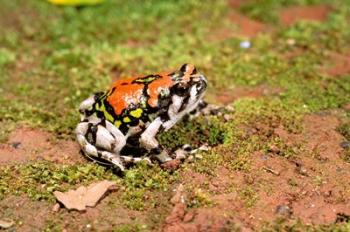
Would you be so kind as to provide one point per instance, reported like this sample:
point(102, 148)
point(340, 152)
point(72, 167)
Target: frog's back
point(132, 99)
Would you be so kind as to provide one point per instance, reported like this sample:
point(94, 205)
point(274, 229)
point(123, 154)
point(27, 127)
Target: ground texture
point(279, 162)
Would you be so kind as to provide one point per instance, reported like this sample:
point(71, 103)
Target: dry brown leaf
point(84, 196)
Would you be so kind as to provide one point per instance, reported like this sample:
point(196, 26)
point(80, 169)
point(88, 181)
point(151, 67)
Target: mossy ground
point(52, 58)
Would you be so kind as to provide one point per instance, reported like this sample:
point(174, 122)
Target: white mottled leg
point(104, 140)
point(130, 159)
point(119, 137)
point(148, 141)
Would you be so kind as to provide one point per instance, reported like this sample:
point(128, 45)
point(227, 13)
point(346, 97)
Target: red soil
point(293, 14)
point(27, 144)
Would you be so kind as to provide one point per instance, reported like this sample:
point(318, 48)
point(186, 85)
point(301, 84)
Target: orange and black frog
point(133, 111)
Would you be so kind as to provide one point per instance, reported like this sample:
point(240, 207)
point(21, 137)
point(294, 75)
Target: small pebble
point(5, 224)
point(56, 207)
point(290, 42)
point(245, 44)
point(227, 117)
point(16, 145)
point(199, 156)
point(229, 108)
point(345, 144)
point(284, 210)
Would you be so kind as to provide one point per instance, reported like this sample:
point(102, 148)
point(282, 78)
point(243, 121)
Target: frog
point(134, 110)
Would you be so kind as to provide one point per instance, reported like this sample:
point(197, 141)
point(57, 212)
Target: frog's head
point(186, 78)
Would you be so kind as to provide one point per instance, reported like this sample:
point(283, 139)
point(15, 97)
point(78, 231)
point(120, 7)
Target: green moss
point(141, 183)
point(195, 132)
point(130, 228)
point(39, 180)
point(344, 130)
point(208, 162)
point(249, 196)
point(199, 198)
point(296, 225)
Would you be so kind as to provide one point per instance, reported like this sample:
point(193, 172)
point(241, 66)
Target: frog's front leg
point(101, 139)
point(149, 142)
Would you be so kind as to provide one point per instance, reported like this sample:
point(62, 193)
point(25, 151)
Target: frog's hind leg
point(101, 140)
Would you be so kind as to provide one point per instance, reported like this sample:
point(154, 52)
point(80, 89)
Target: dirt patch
point(22, 209)
point(241, 25)
point(300, 183)
point(229, 96)
point(295, 188)
point(181, 218)
point(235, 3)
point(103, 217)
point(26, 144)
point(340, 65)
point(290, 15)
point(247, 26)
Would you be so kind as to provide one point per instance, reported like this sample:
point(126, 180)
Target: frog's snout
point(86, 107)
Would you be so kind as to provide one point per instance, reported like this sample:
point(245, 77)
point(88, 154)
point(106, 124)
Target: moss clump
point(39, 180)
point(130, 228)
point(141, 183)
point(283, 224)
point(199, 198)
point(207, 162)
point(195, 132)
point(249, 196)
point(344, 130)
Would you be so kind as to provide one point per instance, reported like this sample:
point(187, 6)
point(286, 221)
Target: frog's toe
point(114, 159)
point(133, 160)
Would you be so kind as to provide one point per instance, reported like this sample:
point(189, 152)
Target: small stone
point(346, 107)
point(171, 165)
point(229, 109)
point(227, 117)
point(178, 197)
point(245, 44)
point(16, 145)
point(303, 171)
point(290, 42)
point(5, 224)
point(270, 170)
point(300, 169)
point(199, 156)
point(284, 210)
point(345, 144)
point(189, 216)
point(274, 149)
point(56, 207)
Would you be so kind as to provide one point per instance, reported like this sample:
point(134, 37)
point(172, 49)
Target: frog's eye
point(180, 89)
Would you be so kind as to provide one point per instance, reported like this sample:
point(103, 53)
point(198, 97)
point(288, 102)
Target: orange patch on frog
point(125, 93)
point(156, 86)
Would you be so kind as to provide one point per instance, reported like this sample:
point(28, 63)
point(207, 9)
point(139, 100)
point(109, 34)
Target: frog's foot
point(207, 109)
point(187, 150)
point(101, 140)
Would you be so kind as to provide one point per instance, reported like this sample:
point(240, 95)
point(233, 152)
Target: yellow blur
point(75, 2)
